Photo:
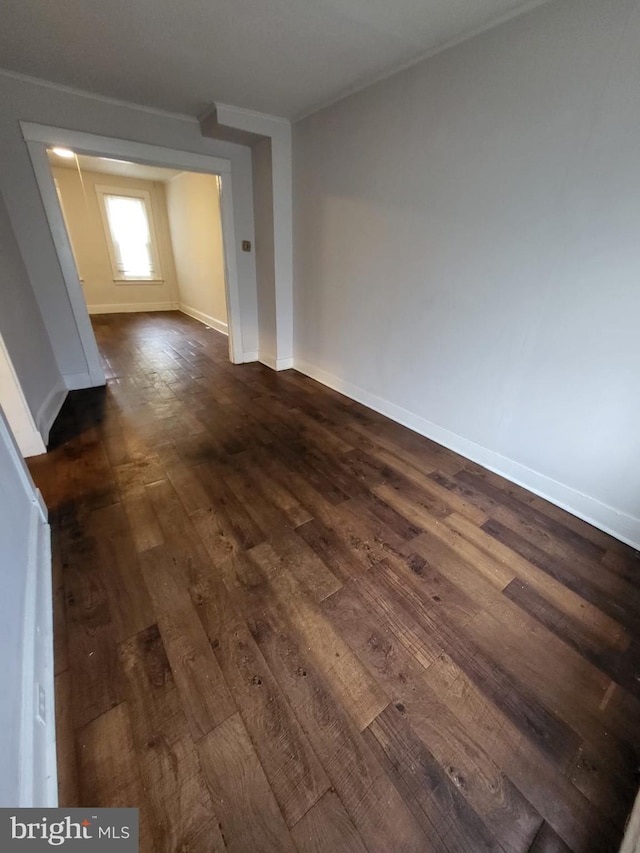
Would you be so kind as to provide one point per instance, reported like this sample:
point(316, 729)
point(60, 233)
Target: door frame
point(16, 409)
point(39, 137)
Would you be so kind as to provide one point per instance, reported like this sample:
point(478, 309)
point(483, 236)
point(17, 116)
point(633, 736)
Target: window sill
point(138, 281)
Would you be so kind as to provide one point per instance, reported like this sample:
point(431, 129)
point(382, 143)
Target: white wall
point(21, 99)
point(467, 255)
point(89, 241)
point(24, 334)
point(27, 745)
point(193, 206)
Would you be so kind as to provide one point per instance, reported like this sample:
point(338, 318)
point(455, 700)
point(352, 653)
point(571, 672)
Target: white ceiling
point(114, 167)
point(284, 57)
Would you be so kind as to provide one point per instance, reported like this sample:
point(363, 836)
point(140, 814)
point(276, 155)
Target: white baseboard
point(218, 325)
point(249, 356)
point(76, 381)
point(284, 363)
point(50, 408)
point(30, 443)
point(132, 307)
point(619, 524)
point(276, 363)
point(96, 377)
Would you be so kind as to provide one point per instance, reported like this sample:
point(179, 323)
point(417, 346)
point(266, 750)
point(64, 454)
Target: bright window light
point(130, 236)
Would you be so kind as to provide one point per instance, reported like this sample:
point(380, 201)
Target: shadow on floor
point(82, 410)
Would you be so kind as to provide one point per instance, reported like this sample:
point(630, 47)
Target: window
point(128, 223)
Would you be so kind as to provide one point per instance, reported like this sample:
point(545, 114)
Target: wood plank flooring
point(285, 623)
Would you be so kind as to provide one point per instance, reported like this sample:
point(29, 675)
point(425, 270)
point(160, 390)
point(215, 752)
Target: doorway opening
point(143, 238)
point(40, 138)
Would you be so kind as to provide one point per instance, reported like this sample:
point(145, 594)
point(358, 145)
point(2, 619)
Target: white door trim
point(16, 408)
point(39, 137)
point(631, 840)
point(278, 130)
point(53, 212)
point(37, 772)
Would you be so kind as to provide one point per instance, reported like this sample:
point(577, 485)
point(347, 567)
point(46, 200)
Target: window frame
point(102, 191)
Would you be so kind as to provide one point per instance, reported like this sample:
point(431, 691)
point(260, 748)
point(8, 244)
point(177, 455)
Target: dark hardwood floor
point(284, 622)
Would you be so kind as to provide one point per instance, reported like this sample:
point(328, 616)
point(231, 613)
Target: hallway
point(284, 622)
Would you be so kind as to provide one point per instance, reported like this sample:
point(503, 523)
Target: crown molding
point(94, 96)
point(498, 20)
